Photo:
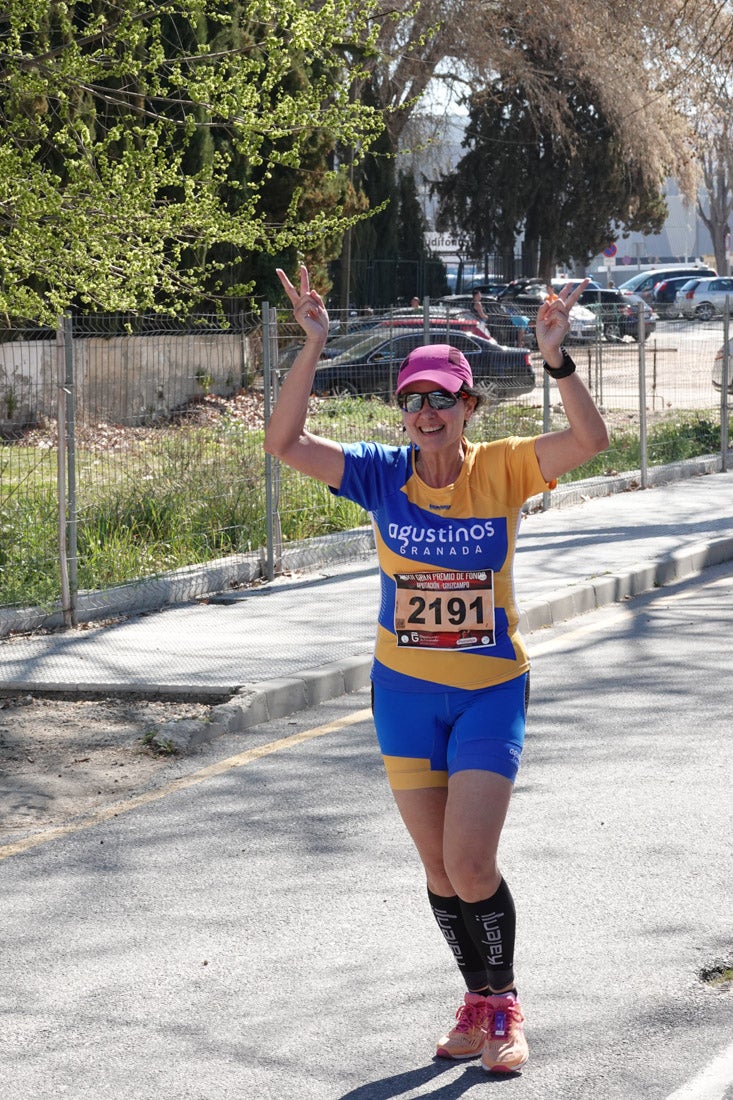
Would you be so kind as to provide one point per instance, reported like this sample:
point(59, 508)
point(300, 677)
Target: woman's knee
point(473, 879)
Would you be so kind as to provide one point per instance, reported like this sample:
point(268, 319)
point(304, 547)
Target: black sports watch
point(566, 367)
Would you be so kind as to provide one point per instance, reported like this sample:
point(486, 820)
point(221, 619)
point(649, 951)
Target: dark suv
point(618, 313)
point(664, 296)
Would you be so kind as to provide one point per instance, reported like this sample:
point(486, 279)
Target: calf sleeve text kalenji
point(450, 921)
point(492, 926)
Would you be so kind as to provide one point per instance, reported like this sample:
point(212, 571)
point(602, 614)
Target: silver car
point(703, 299)
point(718, 367)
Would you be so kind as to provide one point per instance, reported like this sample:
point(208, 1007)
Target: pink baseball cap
point(442, 364)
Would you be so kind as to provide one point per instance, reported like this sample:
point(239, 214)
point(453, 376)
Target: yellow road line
point(601, 620)
point(182, 784)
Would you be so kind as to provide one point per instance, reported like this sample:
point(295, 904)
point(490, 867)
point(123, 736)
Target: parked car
point(529, 294)
point(371, 366)
point(460, 321)
point(335, 345)
point(505, 321)
point(718, 367)
point(702, 299)
point(664, 296)
point(413, 319)
point(560, 284)
point(644, 283)
point(618, 313)
point(488, 286)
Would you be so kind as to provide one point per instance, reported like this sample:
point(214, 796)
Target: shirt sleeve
point(523, 468)
point(371, 472)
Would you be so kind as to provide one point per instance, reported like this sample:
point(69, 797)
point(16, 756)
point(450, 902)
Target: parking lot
point(678, 366)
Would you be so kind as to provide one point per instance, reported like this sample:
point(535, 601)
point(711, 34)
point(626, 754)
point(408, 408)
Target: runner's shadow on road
point(422, 1078)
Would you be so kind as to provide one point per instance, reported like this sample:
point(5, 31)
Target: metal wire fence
point(132, 472)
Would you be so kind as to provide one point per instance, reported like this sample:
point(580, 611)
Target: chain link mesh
point(159, 489)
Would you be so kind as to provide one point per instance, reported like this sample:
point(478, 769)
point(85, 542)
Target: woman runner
point(450, 670)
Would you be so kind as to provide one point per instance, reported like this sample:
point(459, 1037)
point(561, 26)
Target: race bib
point(445, 610)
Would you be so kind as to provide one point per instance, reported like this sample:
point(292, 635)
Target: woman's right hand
point(308, 308)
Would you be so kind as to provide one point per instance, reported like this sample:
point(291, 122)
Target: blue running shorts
point(426, 738)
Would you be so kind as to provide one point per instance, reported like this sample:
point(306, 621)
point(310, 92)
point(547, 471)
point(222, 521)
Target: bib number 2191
point(445, 610)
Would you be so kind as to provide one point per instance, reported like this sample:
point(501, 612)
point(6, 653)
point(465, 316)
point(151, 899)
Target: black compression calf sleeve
point(492, 925)
point(450, 921)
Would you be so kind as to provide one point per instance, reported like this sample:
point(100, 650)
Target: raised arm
point(561, 451)
point(286, 435)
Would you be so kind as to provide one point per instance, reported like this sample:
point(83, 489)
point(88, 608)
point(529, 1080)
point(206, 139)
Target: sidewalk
point(279, 648)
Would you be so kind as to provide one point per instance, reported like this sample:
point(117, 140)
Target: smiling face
point(434, 430)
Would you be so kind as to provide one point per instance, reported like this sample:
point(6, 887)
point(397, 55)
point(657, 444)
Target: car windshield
point(338, 344)
point(633, 283)
point(362, 345)
point(371, 342)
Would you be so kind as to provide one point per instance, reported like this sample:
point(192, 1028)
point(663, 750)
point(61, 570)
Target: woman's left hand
point(308, 308)
point(553, 319)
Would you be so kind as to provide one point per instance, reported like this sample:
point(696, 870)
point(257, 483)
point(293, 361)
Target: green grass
point(673, 439)
point(190, 495)
point(26, 469)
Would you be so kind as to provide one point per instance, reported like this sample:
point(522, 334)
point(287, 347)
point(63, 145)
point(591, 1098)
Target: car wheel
point(705, 311)
point(612, 332)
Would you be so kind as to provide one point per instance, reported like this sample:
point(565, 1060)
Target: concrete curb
point(616, 587)
point(279, 698)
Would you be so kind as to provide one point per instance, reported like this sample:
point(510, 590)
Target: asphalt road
point(258, 929)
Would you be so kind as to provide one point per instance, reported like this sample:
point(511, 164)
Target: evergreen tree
point(569, 200)
point(389, 260)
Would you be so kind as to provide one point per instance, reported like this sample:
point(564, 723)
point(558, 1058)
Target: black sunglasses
point(436, 399)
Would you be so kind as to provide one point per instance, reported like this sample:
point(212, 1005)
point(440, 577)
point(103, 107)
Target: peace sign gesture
point(308, 308)
point(553, 322)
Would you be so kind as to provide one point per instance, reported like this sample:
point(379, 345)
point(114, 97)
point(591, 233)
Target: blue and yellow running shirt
point(448, 617)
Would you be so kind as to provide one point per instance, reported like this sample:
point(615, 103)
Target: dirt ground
point(63, 758)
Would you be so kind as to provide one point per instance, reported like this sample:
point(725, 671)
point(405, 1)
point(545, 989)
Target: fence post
point(66, 472)
point(546, 496)
point(72, 530)
point(724, 382)
point(61, 470)
point(643, 458)
point(272, 465)
point(244, 373)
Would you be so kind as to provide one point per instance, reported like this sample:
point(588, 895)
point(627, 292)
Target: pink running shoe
point(505, 1049)
point(467, 1037)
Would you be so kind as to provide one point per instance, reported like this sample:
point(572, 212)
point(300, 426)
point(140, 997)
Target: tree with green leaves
point(149, 150)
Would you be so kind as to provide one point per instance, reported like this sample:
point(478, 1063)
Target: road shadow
point(423, 1078)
